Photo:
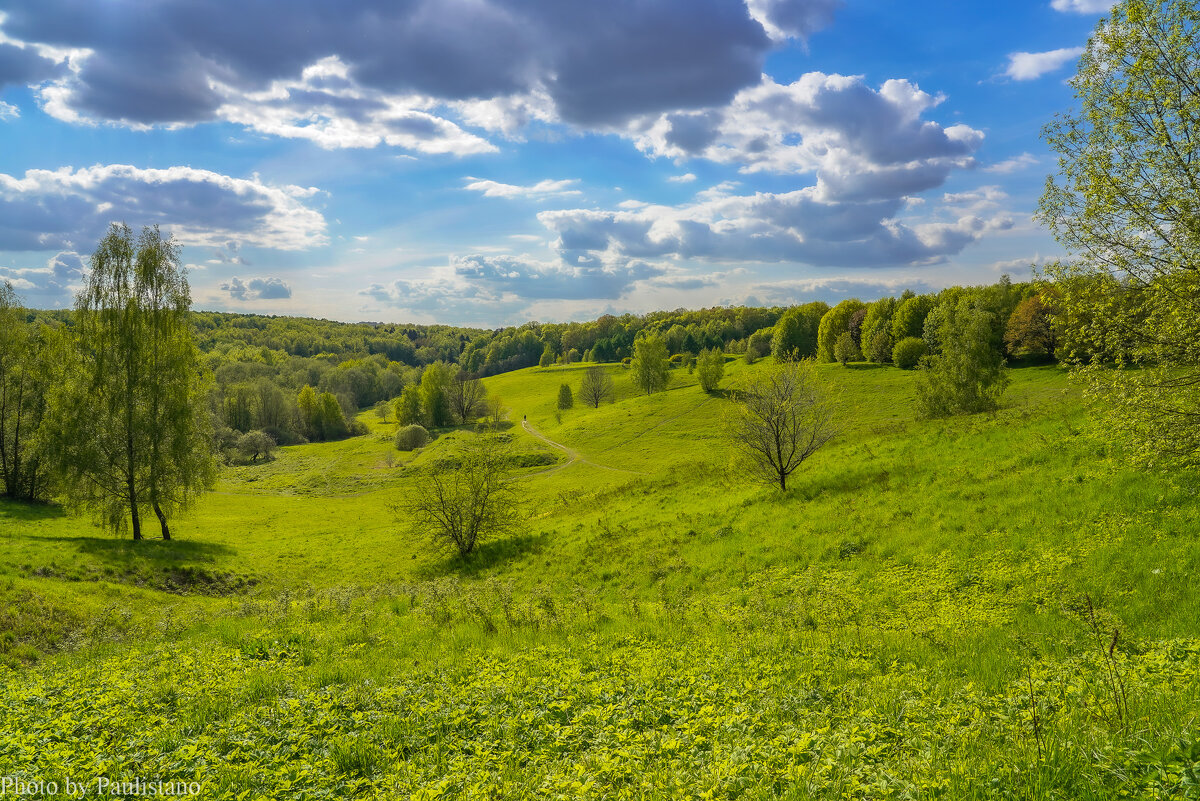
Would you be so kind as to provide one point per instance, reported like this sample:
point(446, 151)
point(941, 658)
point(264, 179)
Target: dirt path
point(573, 455)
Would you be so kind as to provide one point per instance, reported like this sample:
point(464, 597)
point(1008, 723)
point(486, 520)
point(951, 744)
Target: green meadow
point(992, 606)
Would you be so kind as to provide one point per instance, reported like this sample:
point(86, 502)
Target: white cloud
point(547, 188)
point(803, 226)
point(1015, 164)
point(8, 111)
point(686, 178)
point(861, 142)
point(68, 208)
point(326, 107)
point(257, 289)
point(1082, 6)
point(1028, 66)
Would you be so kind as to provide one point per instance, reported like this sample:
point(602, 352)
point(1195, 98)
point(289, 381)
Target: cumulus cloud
point(69, 209)
point(861, 142)
point(803, 226)
point(1083, 6)
point(257, 289)
point(589, 279)
point(380, 71)
point(686, 178)
point(53, 285)
point(541, 189)
point(8, 111)
point(1029, 66)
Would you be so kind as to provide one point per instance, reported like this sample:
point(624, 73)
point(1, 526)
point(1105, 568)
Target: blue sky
point(488, 162)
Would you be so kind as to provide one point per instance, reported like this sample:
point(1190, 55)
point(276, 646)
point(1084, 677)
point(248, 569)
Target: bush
point(908, 352)
point(969, 375)
point(565, 399)
point(411, 437)
point(879, 349)
point(845, 350)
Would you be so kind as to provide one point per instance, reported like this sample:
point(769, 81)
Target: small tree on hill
point(710, 369)
point(845, 351)
point(596, 386)
point(547, 357)
point(254, 444)
point(408, 406)
point(461, 505)
point(128, 415)
point(565, 399)
point(783, 417)
point(650, 364)
point(467, 396)
point(968, 376)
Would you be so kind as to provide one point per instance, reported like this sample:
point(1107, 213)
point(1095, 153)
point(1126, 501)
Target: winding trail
point(573, 455)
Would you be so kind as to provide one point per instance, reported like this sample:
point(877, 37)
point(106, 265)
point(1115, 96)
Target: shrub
point(845, 350)
point(879, 349)
point(411, 437)
point(908, 352)
point(565, 399)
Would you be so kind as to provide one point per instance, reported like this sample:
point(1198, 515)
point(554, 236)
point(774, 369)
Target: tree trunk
point(162, 520)
point(783, 482)
point(137, 521)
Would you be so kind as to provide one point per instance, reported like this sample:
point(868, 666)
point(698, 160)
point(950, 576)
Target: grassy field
point(929, 611)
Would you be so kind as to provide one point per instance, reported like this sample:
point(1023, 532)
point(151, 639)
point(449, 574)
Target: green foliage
point(435, 391)
point(566, 399)
point(128, 426)
point(909, 319)
point(410, 437)
point(467, 502)
point(879, 347)
point(845, 351)
point(878, 319)
point(835, 323)
point(25, 373)
point(795, 335)
point(908, 352)
point(759, 344)
point(969, 375)
point(255, 444)
point(596, 386)
point(1124, 205)
point(650, 365)
point(408, 406)
point(710, 369)
point(1030, 331)
point(547, 357)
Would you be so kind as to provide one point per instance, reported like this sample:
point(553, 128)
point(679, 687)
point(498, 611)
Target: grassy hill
point(927, 612)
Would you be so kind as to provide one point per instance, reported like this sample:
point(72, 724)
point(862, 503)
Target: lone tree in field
point(783, 417)
point(566, 399)
point(255, 444)
point(651, 364)
point(596, 386)
point(710, 369)
point(1125, 204)
point(969, 375)
point(459, 506)
point(468, 397)
point(129, 416)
